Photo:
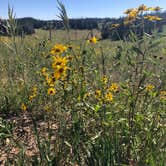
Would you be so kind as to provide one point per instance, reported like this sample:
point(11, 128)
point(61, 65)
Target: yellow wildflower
point(23, 107)
point(60, 72)
point(133, 14)
point(129, 20)
point(104, 79)
point(31, 97)
point(50, 81)
point(59, 61)
point(142, 8)
point(86, 95)
point(128, 11)
point(114, 87)
point(109, 96)
point(58, 49)
point(51, 91)
point(153, 18)
point(150, 87)
point(93, 40)
point(59, 66)
point(115, 25)
point(97, 94)
point(157, 8)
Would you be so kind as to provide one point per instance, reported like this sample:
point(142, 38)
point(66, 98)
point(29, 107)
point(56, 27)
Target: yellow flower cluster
point(134, 13)
point(58, 49)
point(157, 8)
point(153, 18)
point(60, 67)
point(131, 15)
point(109, 94)
point(113, 88)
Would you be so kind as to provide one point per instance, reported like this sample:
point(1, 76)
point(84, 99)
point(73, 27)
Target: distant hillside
point(82, 23)
point(28, 24)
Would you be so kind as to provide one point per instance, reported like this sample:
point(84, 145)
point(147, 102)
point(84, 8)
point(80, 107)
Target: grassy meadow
point(76, 100)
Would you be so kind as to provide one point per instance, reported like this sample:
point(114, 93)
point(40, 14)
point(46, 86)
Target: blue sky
point(47, 9)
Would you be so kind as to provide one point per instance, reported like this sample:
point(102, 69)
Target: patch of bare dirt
point(23, 136)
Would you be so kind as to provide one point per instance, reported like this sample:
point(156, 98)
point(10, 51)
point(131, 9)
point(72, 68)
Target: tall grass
point(106, 106)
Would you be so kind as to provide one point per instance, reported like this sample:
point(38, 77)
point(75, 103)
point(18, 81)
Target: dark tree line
point(122, 31)
point(28, 25)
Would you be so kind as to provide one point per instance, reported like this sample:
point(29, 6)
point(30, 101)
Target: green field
point(74, 99)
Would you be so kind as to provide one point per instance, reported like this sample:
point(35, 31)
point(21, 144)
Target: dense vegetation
point(82, 102)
